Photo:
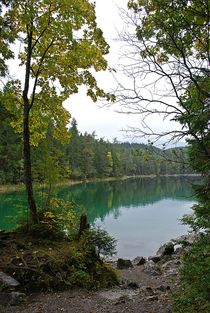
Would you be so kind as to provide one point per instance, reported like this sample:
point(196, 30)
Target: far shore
point(20, 187)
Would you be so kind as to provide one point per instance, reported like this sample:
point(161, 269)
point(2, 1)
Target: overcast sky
point(93, 116)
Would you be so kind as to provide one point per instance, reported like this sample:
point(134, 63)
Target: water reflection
point(141, 213)
point(104, 198)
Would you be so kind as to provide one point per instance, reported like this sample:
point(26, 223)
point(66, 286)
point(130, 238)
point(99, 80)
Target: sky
point(96, 116)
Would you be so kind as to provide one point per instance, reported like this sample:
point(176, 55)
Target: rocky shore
point(146, 286)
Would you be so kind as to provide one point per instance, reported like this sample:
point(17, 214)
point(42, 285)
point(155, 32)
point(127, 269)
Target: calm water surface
point(140, 213)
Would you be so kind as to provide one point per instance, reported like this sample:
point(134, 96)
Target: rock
point(186, 239)
point(8, 280)
point(122, 264)
point(155, 259)
point(151, 268)
point(179, 250)
point(12, 298)
point(166, 249)
point(139, 260)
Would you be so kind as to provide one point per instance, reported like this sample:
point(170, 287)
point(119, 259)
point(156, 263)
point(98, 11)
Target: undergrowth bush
point(56, 221)
point(104, 245)
point(194, 296)
point(47, 258)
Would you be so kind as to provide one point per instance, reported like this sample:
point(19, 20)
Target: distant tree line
point(84, 157)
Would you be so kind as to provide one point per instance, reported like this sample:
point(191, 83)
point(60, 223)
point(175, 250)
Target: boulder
point(166, 249)
point(8, 281)
point(151, 268)
point(123, 264)
point(139, 260)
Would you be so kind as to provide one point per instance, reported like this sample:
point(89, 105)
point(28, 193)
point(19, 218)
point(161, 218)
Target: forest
point(84, 157)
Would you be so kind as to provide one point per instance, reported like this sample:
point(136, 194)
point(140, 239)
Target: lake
point(141, 213)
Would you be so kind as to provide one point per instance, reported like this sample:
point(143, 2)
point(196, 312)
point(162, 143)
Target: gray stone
point(166, 249)
point(151, 268)
point(179, 250)
point(139, 260)
point(8, 280)
point(123, 264)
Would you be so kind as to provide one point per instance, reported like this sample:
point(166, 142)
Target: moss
point(53, 265)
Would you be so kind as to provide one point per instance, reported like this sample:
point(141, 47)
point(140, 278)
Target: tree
point(170, 57)
point(167, 43)
point(74, 150)
point(169, 69)
point(60, 42)
point(87, 155)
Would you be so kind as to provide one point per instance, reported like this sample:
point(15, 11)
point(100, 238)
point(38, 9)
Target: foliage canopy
point(60, 47)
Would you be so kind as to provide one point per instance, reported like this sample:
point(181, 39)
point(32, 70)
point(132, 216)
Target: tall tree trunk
point(27, 166)
point(26, 132)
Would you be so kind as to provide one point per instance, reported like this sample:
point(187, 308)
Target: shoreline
point(7, 188)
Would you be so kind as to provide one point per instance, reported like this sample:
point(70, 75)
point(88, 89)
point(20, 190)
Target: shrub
point(103, 243)
point(55, 222)
point(195, 277)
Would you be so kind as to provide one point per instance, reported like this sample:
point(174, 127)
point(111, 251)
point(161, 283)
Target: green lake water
point(141, 213)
